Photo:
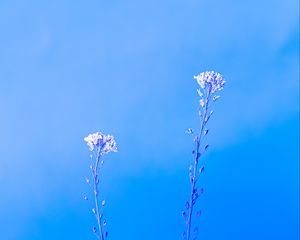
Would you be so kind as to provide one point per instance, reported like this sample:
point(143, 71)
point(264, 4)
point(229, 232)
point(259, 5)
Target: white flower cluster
point(210, 79)
point(106, 143)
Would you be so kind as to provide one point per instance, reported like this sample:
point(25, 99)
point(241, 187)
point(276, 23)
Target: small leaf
point(187, 205)
point(206, 119)
point(189, 131)
point(191, 178)
point(201, 169)
point(199, 93)
point(195, 197)
point(85, 197)
point(94, 229)
point(198, 214)
point(206, 146)
point(215, 98)
point(205, 132)
point(103, 203)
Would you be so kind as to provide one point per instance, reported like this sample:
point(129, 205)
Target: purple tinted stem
point(95, 173)
point(196, 160)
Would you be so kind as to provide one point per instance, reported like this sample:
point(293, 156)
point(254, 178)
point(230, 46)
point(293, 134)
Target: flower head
point(106, 143)
point(110, 144)
point(210, 79)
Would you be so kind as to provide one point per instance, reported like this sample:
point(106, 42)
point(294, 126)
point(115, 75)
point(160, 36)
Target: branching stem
point(197, 155)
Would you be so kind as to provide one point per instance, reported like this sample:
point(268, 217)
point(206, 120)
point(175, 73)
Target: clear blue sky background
point(69, 68)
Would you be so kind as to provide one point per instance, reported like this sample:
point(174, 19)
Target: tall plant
point(210, 83)
point(99, 144)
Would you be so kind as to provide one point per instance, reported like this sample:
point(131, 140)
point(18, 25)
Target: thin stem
point(196, 160)
point(95, 173)
point(189, 221)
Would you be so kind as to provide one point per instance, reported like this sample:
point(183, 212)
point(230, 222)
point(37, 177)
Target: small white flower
point(93, 139)
point(202, 103)
point(200, 80)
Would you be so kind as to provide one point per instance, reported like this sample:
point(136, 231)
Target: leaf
point(198, 214)
point(184, 215)
point(189, 131)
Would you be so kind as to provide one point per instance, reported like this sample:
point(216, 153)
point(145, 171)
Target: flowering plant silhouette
point(210, 83)
point(99, 144)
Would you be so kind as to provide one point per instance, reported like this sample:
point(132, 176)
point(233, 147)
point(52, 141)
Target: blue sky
point(69, 68)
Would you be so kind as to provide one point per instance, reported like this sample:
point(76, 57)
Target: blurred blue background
point(69, 68)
